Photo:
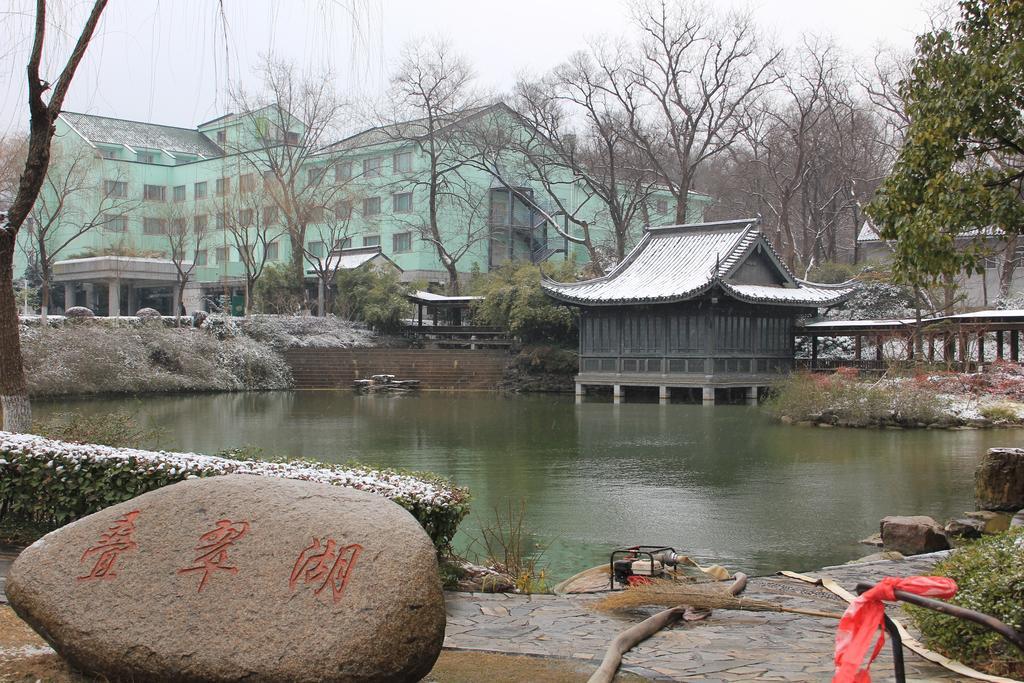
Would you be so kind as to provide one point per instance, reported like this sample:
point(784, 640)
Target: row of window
point(401, 202)
point(371, 167)
point(401, 242)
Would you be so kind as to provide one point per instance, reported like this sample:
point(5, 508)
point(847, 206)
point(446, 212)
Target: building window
point(291, 137)
point(272, 251)
point(201, 257)
point(146, 157)
point(222, 136)
point(246, 183)
point(371, 206)
point(115, 188)
point(662, 206)
point(313, 174)
point(108, 153)
point(222, 186)
point(402, 162)
point(199, 190)
point(269, 215)
point(316, 249)
point(154, 226)
point(342, 171)
point(402, 242)
point(371, 241)
point(245, 217)
point(343, 210)
point(154, 193)
point(402, 202)
point(115, 223)
point(219, 221)
point(372, 167)
point(179, 193)
point(345, 243)
point(223, 254)
point(200, 222)
point(316, 214)
point(179, 226)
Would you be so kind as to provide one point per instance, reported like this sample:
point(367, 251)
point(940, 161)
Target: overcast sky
point(169, 61)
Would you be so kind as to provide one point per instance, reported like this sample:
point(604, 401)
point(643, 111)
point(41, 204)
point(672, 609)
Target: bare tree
point(291, 119)
point(186, 240)
point(12, 159)
point(253, 222)
point(433, 100)
point(684, 90)
point(566, 153)
point(72, 203)
point(14, 399)
point(330, 232)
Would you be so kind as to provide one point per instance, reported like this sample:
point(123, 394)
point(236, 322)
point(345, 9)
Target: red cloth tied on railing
point(863, 622)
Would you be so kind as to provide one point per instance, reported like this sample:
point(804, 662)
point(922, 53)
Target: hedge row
point(51, 483)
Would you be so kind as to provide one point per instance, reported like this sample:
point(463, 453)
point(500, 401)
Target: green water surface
point(724, 484)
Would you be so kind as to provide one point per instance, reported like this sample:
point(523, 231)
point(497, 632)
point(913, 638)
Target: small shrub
point(506, 546)
point(1000, 412)
point(809, 396)
point(990, 577)
point(373, 296)
point(279, 290)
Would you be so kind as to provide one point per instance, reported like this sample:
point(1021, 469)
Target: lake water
point(724, 484)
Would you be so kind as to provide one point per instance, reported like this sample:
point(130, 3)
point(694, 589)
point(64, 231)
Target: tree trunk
point(321, 298)
point(44, 301)
point(453, 279)
point(14, 400)
point(1009, 266)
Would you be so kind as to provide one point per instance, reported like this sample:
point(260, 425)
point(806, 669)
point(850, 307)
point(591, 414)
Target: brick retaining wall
point(434, 368)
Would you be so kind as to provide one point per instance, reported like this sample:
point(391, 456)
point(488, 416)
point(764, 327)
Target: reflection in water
point(722, 483)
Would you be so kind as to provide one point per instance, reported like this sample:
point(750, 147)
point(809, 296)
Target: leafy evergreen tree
point(961, 170)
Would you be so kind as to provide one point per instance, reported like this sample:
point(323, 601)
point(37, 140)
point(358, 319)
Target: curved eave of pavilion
point(806, 294)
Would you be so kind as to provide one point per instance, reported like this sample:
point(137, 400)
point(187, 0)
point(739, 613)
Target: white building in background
point(975, 291)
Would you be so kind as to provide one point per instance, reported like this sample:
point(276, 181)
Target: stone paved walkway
point(729, 646)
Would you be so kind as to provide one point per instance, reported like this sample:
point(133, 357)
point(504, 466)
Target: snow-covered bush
point(284, 331)
point(84, 359)
point(52, 483)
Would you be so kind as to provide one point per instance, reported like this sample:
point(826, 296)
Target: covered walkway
point(959, 341)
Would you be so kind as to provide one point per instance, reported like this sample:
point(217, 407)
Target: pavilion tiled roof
point(679, 262)
point(104, 129)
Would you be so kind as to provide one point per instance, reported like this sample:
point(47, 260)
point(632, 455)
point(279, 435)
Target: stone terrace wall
point(434, 368)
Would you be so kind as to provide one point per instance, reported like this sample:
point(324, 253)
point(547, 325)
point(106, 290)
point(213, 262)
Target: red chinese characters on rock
point(116, 540)
point(213, 550)
point(327, 564)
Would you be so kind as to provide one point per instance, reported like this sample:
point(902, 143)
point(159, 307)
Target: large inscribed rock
point(236, 578)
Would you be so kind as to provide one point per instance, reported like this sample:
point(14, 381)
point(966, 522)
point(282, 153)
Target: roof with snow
point(431, 299)
point(107, 130)
point(347, 259)
point(679, 262)
point(408, 130)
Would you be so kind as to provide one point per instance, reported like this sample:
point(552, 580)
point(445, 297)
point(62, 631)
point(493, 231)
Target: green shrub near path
point(989, 574)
